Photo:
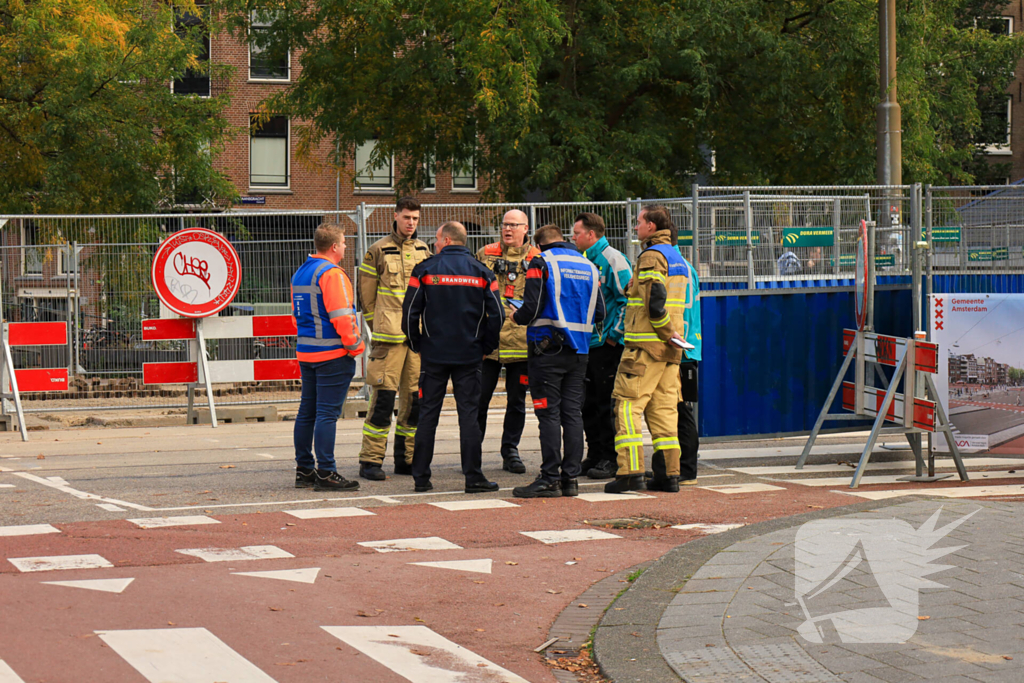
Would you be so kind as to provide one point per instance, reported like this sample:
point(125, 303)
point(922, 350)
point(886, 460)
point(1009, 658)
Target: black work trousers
point(466, 387)
point(516, 384)
point(598, 416)
point(689, 442)
point(556, 385)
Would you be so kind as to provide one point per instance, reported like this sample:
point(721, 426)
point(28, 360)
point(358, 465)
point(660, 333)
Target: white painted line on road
point(160, 522)
point(958, 492)
point(403, 544)
point(386, 499)
point(28, 530)
point(478, 566)
point(940, 463)
point(491, 504)
point(742, 488)
point(265, 455)
point(110, 507)
point(182, 655)
point(568, 535)
point(895, 479)
point(7, 674)
point(610, 497)
point(707, 528)
point(307, 575)
point(79, 494)
point(59, 563)
point(6, 486)
point(421, 655)
point(251, 552)
point(318, 513)
point(104, 585)
point(57, 480)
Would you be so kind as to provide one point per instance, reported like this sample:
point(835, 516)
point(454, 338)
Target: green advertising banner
point(735, 237)
point(685, 238)
point(943, 234)
point(982, 254)
point(1001, 254)
point(807, 237)
point(880, 260)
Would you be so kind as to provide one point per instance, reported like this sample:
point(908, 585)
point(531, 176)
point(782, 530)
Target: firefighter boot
point(661, 481)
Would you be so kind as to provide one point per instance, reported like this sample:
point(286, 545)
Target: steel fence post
point(915, 253)
point(837, 207)
point(695, 225)
point(872, 226)
point(630, 246)
point(748, 220)
point(928, 256)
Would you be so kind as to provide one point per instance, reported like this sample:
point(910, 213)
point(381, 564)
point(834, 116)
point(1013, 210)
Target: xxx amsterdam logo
point(890, 551)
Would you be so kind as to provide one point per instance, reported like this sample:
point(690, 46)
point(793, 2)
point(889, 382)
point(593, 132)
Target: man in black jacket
point(452, 317)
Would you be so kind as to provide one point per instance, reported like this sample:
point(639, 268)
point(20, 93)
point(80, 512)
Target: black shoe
point(630, 482)
point(539, 489)
point(668, 484)
point(588, 464)
point(511, 462)
point(304, 478)
point(332, 481)
point(570, 488)
point(403, 467)
point(371, 472)
point(605, 469)
point(424, 487)
point(482, 486)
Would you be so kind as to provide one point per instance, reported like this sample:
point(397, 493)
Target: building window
point(32, 255)
point(1000, 26)
point(268, 152)
point(375, 177)
point(994, 121)
point(266, 64)
point(429, 174)
point(464, 175)
point(194, 81)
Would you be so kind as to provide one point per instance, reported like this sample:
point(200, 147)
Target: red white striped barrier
point(236, 327)
point(14, 381)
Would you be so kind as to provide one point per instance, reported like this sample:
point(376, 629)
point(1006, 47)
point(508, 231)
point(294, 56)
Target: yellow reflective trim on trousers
point(634, 451)
point(374, 432)
point(367, 316)
point(396, 338)
point(405, 431)
point(666, 442)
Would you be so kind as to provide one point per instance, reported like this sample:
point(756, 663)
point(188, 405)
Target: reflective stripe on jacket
point(657, 299)
point(382, 279)
point(325, 318)
point(615, 272)
point(511, 283)
point(571, 293)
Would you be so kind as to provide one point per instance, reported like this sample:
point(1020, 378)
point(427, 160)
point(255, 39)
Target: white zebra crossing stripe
point(402, 544)
point(568, 535)
point(491, 504)
point(958, 492)
point(478, 566)
point(307, 575)
point(28, 530)
point(610, 497)
point(731, 489)
point(897, 479)
point(104, 585)
point(318, 513)
point(421, 655)
point(707, 528)
point(159, 522)
point(182, 655)
point(251, 552)
point(59, 562)
point(940, 463)
point(7, 674)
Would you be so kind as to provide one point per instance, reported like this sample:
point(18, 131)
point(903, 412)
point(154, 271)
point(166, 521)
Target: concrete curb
point(627, 658)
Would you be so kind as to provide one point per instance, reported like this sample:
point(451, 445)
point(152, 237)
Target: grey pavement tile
point(749, 559)
point(952, 668)
point(894, 675)
point(954, 640)
point(995, 606)
point(704, 585)
point(848, 662)
point(1007, 676)
point(1007, 620)
point(684, 628)
point(723, 571)
point(897, 659)
point(697, 612)
point(683, 599)
point(993, 592)
point(945, 596)
point(859, 677)
point(944, 625)
point(945, 611)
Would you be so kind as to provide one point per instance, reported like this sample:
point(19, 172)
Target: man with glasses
point(509, 259)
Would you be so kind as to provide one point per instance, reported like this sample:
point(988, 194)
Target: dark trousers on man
point(556, 385)
point(433, 385)
point(324, 388)
point(689, 442)
point(598, 411)
point(516, 384)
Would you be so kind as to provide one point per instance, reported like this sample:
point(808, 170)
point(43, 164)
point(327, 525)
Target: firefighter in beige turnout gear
point(647, 382)
point(393, 369)
point(509, 259)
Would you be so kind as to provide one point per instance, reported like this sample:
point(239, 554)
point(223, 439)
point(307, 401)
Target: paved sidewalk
point(725, 609)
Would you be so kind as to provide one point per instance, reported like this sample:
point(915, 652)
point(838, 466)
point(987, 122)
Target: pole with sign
point(196, 273)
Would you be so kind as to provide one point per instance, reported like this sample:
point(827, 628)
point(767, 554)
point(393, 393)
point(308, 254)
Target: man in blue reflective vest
point(561, 305)
point(689, 441)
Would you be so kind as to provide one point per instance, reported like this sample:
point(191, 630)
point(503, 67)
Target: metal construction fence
point(93, 271)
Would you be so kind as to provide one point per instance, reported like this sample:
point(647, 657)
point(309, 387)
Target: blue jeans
point(324, 388)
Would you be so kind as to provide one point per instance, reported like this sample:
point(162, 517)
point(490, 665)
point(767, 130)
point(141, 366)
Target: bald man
point(508, 259)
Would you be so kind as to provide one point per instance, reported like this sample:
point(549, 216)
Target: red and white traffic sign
point(196, 272)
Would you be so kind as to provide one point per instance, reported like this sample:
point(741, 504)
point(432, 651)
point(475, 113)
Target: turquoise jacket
point(615, 272)
point(692, 314)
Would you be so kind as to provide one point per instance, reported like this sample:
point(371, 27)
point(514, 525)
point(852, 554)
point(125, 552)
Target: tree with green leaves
point(88, 119)
point(605, 99)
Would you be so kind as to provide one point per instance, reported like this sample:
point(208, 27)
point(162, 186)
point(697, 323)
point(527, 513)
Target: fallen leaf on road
point(361, 613)
point(1007, 657)
point(394, 635)
point(421, 653)
point(923, 618)
point(289, 524)
point(582, 604)
point(511, 563)
point(40, 457)
point(285, 663)
point(478, 582)
point(419, 620)
point(171, 623)
point(276, 609)
point(636, 633)
point(553, 592)
point(481, 664)
point(479, 630)
point(499, 604)
point(815, 506)
point(577, 558)
point(227, 467)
